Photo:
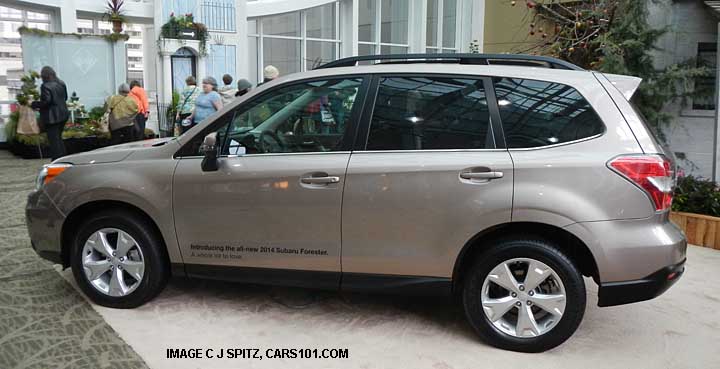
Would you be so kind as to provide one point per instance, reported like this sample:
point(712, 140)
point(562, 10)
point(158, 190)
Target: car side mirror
point(210, 153)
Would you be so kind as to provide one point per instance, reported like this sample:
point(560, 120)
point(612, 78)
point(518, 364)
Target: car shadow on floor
point(358, 309)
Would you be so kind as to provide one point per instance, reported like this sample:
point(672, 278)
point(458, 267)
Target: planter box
point(82, 144)
point(29, 151)
point(701, 230)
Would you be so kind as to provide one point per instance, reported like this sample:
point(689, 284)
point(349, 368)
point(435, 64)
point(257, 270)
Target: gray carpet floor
point(44, 322)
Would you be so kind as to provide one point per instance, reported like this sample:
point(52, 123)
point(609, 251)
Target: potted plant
point(114, 14)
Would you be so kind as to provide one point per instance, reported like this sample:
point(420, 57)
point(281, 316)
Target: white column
point(201, 67)
point(167, 77)
point(716, 139)
point(348, 28)
point(241, 50)
point(472, 24)
point(68, 17)
point(417, 26)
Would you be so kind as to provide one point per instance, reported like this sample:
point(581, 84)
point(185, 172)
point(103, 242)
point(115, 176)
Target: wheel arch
point(573, 247)
point(75, 218)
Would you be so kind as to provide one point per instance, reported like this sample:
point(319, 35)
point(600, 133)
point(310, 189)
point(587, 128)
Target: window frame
point(500, 123)
point(350, 137)
point(494, 128)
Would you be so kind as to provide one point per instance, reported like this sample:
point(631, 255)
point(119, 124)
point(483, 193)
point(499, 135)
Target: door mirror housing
point(209, 150)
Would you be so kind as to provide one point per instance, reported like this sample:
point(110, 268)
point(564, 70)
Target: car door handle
point(481, 175)
point(320, 180)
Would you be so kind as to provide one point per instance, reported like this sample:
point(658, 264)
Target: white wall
point(691, 134)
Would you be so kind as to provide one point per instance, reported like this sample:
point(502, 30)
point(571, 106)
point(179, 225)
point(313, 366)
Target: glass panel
point(365, 49)
point(449, 22)
point(85, 26)
point(42, 26)
point(449, 51)
point(394, 27)
point(432, 23)
point(385, 49)
point(431, 50)
point(252, 26)
point(430, 113)
point(304, 117)
point(283, 54)
point(38, 16)
point(319, 52)
point(253, 60)
point(366, 20)
point(282, 25)
point(320, 22)
point(12, 13)
point(537, 113)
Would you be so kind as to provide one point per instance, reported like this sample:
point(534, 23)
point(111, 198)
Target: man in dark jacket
point(53, 110)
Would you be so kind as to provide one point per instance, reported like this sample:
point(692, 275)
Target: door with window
point(275, 200)
point(430, 178)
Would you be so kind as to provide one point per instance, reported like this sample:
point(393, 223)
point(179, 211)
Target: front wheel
point(118, 261)
point(524, 295)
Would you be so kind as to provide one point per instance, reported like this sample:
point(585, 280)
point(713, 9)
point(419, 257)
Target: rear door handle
point(481, 175)
point(320, 180)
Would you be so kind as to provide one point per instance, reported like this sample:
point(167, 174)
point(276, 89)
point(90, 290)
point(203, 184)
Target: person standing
point(187, 103)
point(122, 109)
point(243, 86)
point(138, 94)
point(53, 110)
point(270, 73)
point(207, 103)
point(227, 92)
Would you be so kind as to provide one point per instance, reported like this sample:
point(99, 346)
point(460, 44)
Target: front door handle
point(481, 175)
point(320, 180)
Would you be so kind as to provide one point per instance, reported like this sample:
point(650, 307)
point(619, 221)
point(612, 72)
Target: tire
point(516, 253)
point(147, 248)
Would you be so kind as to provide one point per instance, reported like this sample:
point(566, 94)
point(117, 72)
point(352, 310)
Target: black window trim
point(497, 108)
point(366, 119)
point(350, 136)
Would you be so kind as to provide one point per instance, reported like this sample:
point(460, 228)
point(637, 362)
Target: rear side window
point(430, 113)
point(537, 113)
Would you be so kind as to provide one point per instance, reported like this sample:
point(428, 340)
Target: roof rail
point(479, 59)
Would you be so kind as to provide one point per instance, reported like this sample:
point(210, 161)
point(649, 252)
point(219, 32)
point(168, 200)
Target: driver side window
point(304, 117)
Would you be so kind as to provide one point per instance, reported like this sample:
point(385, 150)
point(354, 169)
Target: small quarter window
point(537, 113)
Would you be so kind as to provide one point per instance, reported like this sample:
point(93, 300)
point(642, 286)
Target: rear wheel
point(524, 295)
point(118, 261)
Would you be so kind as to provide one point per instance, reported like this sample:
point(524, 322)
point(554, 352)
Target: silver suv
point(500, 179)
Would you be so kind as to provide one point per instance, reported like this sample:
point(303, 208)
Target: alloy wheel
point(523, 298)
point(113, 262)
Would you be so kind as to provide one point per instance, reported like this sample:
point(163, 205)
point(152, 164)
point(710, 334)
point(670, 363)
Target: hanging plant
point(184, 27)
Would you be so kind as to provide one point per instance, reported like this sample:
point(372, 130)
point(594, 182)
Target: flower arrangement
point(178, 23)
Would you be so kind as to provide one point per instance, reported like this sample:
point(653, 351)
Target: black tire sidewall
point(524, 248)
point(155, 271)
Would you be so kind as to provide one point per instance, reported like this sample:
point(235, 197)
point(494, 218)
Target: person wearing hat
point(206, 104)
point(243, 86)
point(270, 73)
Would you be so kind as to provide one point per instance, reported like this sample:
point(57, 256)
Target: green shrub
point(11, 126)
point(32, 140)
point(695, 195)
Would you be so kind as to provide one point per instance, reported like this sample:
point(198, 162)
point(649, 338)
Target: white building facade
point(247, 35)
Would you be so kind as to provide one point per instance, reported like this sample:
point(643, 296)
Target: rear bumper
point(654, 285)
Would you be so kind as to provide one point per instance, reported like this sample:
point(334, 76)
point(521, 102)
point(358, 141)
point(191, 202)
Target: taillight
point(652, 173)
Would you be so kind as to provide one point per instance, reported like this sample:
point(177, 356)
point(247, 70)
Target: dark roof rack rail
point(479, 59)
